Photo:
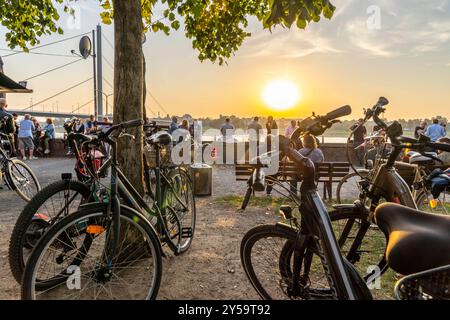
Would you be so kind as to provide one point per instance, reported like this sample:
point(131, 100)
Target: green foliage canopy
point(217, 28)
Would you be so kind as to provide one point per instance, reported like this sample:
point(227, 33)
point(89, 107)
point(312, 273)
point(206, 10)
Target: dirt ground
point(211, 269)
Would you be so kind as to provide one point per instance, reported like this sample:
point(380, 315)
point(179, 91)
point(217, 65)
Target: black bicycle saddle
point(161, 138)
point(417, 241)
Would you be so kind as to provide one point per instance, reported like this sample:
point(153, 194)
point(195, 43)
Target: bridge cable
point(47, 44)
point(57, 94)
point(41, 53)
point(48, 71)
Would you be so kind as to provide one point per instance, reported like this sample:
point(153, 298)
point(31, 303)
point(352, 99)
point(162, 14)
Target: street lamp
point(106, 96)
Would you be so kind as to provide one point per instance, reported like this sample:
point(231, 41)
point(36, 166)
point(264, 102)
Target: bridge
point(49, 114)
point(100, 96)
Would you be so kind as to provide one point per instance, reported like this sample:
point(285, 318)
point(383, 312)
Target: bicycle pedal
point(66, 176)
point(186, 233)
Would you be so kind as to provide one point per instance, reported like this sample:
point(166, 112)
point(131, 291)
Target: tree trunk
point(128, 85)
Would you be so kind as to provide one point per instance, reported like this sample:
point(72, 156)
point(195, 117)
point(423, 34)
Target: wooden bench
point(327, 173)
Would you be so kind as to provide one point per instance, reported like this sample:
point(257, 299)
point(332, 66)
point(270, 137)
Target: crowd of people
point(26, 136)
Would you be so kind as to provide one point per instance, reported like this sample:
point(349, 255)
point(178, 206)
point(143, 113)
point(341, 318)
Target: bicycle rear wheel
point(22, 179)
point(52, 203)
point(70, 260)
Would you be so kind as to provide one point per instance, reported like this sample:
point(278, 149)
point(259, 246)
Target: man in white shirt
point(290, 129)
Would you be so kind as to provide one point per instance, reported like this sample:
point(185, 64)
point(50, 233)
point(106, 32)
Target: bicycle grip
point(338, 113)
point(439, 146)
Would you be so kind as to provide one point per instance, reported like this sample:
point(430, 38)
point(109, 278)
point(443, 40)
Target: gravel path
point(211, 269)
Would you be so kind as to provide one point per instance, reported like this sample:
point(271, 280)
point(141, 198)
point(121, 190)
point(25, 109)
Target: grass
point(373, 239)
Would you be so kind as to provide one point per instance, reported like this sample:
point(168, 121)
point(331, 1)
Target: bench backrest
point(326, 171)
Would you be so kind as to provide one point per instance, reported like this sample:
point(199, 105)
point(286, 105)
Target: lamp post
point(106, 97)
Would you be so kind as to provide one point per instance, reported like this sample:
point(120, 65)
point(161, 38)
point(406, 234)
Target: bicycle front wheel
point(70, 261)
point(266, 255)
point(22, 179)
point(179, 208)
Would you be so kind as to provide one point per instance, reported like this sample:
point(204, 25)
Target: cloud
point(404, 28)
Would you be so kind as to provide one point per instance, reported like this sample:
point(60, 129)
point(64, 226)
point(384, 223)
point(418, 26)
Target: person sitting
point(435, 131)
point(173, 125)
point(309, 150)
point(25, 135)
point(91, 125)
point(48, 134)
point(444, 156)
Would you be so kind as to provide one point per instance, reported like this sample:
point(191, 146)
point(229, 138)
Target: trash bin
point(202, 179)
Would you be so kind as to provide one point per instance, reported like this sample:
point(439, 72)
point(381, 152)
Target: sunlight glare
point(281, 94)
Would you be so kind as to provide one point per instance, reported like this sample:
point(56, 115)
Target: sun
point(281, 94)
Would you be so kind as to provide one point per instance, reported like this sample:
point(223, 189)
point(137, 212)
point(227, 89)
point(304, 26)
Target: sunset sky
point(346, 60)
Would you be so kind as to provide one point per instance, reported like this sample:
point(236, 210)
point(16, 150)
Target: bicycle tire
point(339, 188)
point(87, 213)
point(423, 204)
point(190, 193)
point(269, 231)
point(17, 240)
point(14, 185)
point(373, 258)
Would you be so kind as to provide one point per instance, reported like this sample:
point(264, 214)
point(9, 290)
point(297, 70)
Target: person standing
point(359, 133)
point(7, 126)
point(290, 129)
point(227, 128)
point(254, 129)
point(435, 131)
point(25, 135)
point(420, 129)
point(271, 126)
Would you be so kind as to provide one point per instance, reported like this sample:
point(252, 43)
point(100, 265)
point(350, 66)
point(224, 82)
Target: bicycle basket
point(150, 155)
point(426, 285)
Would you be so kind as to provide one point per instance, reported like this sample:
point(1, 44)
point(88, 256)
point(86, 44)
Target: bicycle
point(16, 175)
point(360, 235)
point(308, 244)
point(41, 213)
point(113, 212)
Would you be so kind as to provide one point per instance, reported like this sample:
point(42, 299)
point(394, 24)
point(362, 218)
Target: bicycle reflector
point(433, 203)
point(94, 229)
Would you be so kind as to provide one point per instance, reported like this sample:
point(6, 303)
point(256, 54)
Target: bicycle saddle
point(161, 138)
point(417, 158)
point(417, 241)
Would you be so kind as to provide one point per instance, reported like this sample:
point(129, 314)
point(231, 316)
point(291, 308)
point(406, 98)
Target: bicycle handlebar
point(439, 146)
point(125, 125)
point(338, 113)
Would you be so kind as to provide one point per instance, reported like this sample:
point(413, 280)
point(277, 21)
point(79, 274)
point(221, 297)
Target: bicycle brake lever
point(432, 157)
point(124, 134)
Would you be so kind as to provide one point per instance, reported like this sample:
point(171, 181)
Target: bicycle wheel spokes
point(269, 261)
point(427, 203)
point(180, 209)
point(73, 264)
point(23, 180)
point(371, 250)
